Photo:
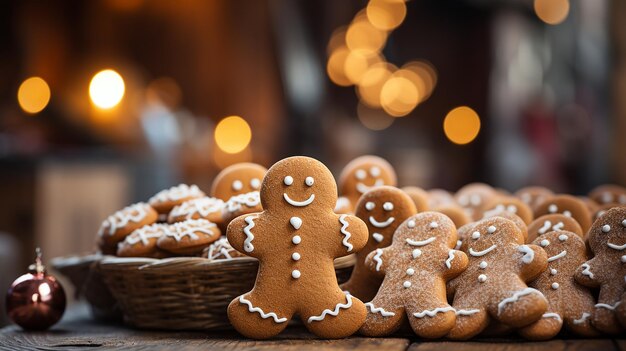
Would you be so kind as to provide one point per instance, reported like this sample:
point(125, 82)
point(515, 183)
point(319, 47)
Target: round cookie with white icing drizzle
point(415, 267)
point(142, 242)
point(359, 176)
point(567, 205)
point(123, 222)
point(296, 238)
point(553, 222)
point(240, 178)
point(607, 269)
point(239, 205)
point(569, 303)
point(383, 209)
point(189, 237)
point(209, 208)
point(494, 285)
point(165, 200)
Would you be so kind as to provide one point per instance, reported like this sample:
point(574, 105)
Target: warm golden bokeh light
point(552, 11)
point(362, 35)
point(386, 14)
point(358, 62)
point(106, 89)
point(335, 67)
point(427, 75)
point(374, 119)
point(33, 95)
point(461, 125)
point(372, 82)
point(399, 96)
point(337, 39)
point(232, 134)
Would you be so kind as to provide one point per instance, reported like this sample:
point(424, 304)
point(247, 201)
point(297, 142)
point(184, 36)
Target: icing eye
point(544, 243)
point(388, 206)
point(552, 208)
point(463, 201)
point(237, 185)
point(491, 229)
point(500, 207)
point(309, 181)
point(475, 200)
point(411, 224)
point(369, 205)
point(606, 228)
point(475, 235)
point(360, 174)
point(512, 208)
point(288, 180)
point(562, 237)
point(567, 213)
point(375, 171)
point(255, 183)
point(433, 225)
point(624, 223)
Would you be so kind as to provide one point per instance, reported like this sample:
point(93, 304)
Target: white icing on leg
point(380, 310)
point(582, 319)
point(433, 312)
point(334, 312)
point(466, 312)
point(515, 297)
point(342, 220)
point(264, 315)
point(552, 315)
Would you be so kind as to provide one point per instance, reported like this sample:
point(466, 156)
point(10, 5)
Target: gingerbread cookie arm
point(377, 261)
point(241, 234)
point(352, 235)
point(455, 263)
point(586, 274)
point(534, 261)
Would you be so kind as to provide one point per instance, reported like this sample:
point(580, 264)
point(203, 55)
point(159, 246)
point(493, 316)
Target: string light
point(106, 89)
point(232, 134)
point(33, 95)
point(461, 125)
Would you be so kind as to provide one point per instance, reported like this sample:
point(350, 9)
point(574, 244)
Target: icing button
point(410, 271)
point(406, 284)
point(623, 259)
point(417, 253)
point(482, 278)
point(296, 239)
point(295, 274)
point(482, 265)
point(295, 256)
point(553, 271)
point(555, 286)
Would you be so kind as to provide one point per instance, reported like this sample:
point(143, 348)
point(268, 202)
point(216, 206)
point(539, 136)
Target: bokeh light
point(232, 134)
point(106, 89)
point(358, 62)
point(374, 119)
point(552, 11)
point(362, 35)
point(399, 96)
point(337, 39)
point(335, 68)
point(427, 77)
point(386, 14)
point(33, 95)
point(372, 82)
point(461, 125)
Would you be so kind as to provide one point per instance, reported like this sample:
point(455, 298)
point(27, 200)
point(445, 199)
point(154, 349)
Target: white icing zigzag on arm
point(516, 297)
point(582, 319)
point(380, 310)
point(342, 220)
point(529, 254)
point(586, 270)
point(378, 260)
point(433, 312)
point(247, 244)
point(334, 312)
point(260, 311)
point(466, 312)
point(450, 258)
point(607, 306)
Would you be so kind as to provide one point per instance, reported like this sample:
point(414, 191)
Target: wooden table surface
point(78, 331)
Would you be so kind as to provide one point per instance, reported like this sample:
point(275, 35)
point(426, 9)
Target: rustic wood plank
point(517, 345)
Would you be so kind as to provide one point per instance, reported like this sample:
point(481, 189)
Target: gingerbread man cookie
point(620, 311)
point(123, 222)
point(296, 238)
point(533, 195)
point(165, 200)
point(419, 197)
point(383, 209)
point(455, 212)
point(416, 267)
point(609, 194)
point(359, 176)
point(240, 178)
point(568, 205)
point(607, 270)
point(494, 284)
point(569, 303)
point(553, 222)
point(474, 197)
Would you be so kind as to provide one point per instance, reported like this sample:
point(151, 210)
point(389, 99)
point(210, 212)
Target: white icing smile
point(384, 224)
point(616, 247)
point(362, 188)
point(295, 203)
point(556, 257)
point(483, 252)
point(420, 243)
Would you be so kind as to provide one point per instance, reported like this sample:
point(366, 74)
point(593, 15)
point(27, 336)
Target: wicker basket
point(184, 293)
point(83, 273)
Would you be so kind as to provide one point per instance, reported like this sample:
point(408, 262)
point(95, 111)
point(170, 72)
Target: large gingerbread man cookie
point(494, 285)
point(383, 209)
point(240, 178)
point(607, 270)
point(416, 267)
point(296, 238)
point(359, 176)
point(569, 303)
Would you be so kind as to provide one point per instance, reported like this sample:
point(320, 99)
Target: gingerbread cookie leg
point(545, 328)
point(520, 308)
point(604, 317)
point(332, 315)
point(382, 319)
point(432, 322)
point(255, 316)
point(578, 316)
point(470, 320)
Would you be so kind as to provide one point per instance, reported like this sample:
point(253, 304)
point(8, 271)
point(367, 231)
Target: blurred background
point(105, 102)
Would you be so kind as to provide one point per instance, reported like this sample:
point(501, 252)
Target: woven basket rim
point(74, 260)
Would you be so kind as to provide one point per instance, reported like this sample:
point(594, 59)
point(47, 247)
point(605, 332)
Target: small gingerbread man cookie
point(609, 194)
point(359, 176)
point(607, 270)
point(209, 208)
point(509, 204)
point(568, 205)
point(474, 198)
point(123, 222)
point(189, 237)
point(296, 238)
point(416, 267)
point(553, 222)
point(569, 303)
point(533, 195)
point(240, 178)
point(383, 209)
point(439, 197)
point(494, 284)
point(165, 200)
point(143, 241)
point(419, 197)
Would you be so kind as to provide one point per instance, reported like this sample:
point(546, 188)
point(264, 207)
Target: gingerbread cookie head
point(439, 197)
point(553, 222)
point(474, 197)
point(425, 230)
point(533, 195)
point(512, 217)
point(609, 194)
point(607, 236)
point(165, 200)
point(419, 197)
point(509, 204)
point(567, 205)
point(383, 209)
point(364, 173)
point(240, 178)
